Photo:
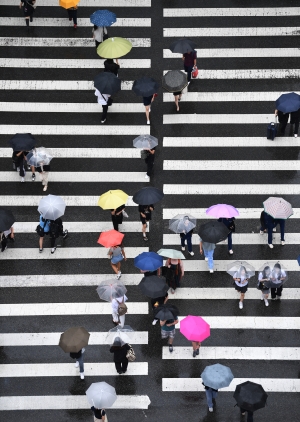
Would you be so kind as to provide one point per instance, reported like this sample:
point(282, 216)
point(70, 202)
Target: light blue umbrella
point(217, 376)
point(103, 18)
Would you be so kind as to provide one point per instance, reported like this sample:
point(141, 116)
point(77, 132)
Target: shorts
point(143, 220)
point(168, 334)
point(177, 93)
point(147, 100)
point(42, 233)
point(241, 289)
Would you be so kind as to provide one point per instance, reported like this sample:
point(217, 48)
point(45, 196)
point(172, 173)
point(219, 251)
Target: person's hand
point(143, 215)
point(150, 208)
point(125, 259)
point(201, 251)
point(12, 235)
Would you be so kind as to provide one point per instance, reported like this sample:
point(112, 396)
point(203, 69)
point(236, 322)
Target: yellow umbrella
point(112, 199)
point(66, 4)
point(113, 48)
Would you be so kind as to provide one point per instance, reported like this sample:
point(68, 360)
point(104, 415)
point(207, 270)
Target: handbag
point(232, 227)
point(130, 354)
point(109, 101)
point(195, 72)
point(122, 308)
point(39, 230)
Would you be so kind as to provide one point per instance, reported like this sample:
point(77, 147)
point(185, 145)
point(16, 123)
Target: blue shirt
point(45, 224)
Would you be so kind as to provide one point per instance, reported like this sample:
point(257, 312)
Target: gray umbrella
point(145, 142)
point(182, 223)
point(52, 207)
point(101, 395)
point(217, 376)
point(111, 289)
point(174, 81)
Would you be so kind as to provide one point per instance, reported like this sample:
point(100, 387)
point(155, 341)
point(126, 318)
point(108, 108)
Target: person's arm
point(104, 30)
point(183, 57)
point(173, 323)
point(151, 152)
point(166, 299)
point(12, 234)
point(151, 208)
point(20, 153)
point(195, 61)
point(162, 323)
point(123, 253)
point(201, 248)
point(21, 4)
point(276, 112)
point(182, 268)
point(117, 61)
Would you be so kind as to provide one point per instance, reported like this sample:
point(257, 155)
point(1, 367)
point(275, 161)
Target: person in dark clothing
point(189, 61)
point(147, 103)
point(99, 414)
point(72, 13)
point(249, 416)
point(111, 66)
point(120, 352)
point(19, 160)
point(229, 222)
point(79, 361)
point(28, 10)
point(283, 120)
point(145, 216)
point(56, 230)
point(150, 162)
point(155, 302)
point(117, 216)
point(295, 118)
point(188, 238)
point(278, 277)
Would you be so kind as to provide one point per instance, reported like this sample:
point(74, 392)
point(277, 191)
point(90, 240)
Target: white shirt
point(7, 232)
point(242, 278)
point(98, 33)
point(115, 303)
point(100, 96)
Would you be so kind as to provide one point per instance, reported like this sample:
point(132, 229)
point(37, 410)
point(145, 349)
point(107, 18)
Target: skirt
point(241, 289)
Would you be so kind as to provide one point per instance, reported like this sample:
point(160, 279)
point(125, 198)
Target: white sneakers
point(183, 248)
point(119, 275)
point(191, 253)
point(210, 409)
point(295, 135)
point(241, 305)
point(148, 122)
point(266, 302)
point(76, 364)
point(230, 252)
point(211, 271)
point(22, 179)
point(270, 245)
point(45, 188)
point(82, 375)
point(283, 242)
point(147, 177)
point(274, 229)
point(261, 232)
point(206, 259)
point(154, 321)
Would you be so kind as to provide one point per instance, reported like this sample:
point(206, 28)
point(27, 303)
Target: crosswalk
point(208, 153)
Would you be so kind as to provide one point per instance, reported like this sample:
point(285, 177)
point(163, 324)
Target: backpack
point(122, 308)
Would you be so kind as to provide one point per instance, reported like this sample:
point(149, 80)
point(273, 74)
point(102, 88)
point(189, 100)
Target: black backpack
point(54, 229)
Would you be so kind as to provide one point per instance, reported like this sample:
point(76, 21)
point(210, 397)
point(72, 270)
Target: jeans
point(210, 256)
point(188, 238)
point(249, 415)
point(73, 15)
point(276, 291)
point(121, 366)
point(80, 360)
point(188, 70)
point(104, 111)
point(229, 237)
point(210, 395)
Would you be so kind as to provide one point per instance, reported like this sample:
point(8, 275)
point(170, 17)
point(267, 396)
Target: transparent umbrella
point(125, 333)
point(145, 142)
point(273, 274)
point(236, 268)
point(52, 207)
point(110, 289)
point(38, 157)
point(182, 223)
point(101, 395)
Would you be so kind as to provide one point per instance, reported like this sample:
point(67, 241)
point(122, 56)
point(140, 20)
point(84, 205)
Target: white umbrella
point(101, 395)
point(278, 207)
point(125, 334)
point(52, 207)
point(39, 157)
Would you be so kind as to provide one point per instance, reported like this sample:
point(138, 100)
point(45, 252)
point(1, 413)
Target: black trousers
point(97, 43)
point(73, 15)
point(150, 163)
point(104, 112)
point(121, 366)
point(276, 291)
point(249, 415)
point(283, 120)
point(3, 243)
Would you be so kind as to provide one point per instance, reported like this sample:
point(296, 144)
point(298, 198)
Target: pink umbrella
point(222, 211)
point(194, 328)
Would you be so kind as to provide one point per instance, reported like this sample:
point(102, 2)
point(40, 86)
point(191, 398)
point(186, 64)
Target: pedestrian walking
point(271, 224)
point(208, 249)
point(211, 395)
point(42, 229)
point(19, 162)
point(189, 62)
point(72, 13)
point(295, 119)
point(119, 309)
point(99, 414)
point(43, 173)
point(177, 98)
point(263, 276)
point(187, 237)
point(157, 302)
point(145, 216)
point(117, 254)
point(196, 348)
point(105, 100)
point(149, 160)
point(79, 361)
point(147, 103)
point(229, 223)
point(99, 33)
point(28, 8)
point(56, 230)
point(168, 331)
point(278, 277)
point(241, 279)
point(249, 414)
point(6, 234)
point(111, 66)
point(174, 276)
point(283, 120)
point(120, 352)
point(117, 216)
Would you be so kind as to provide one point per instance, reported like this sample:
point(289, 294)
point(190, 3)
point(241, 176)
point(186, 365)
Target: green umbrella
point(113, 48)
point(171, 253)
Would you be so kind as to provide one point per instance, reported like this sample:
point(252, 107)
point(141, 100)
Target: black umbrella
point(213, 232)
point(6, 219)
point(107, 83)
point(22, 142)
point(250, 396)
point(153, 286)
point(147, 196)
point(165, 312)
point(183, 45)
point(174, 81)
point(145, 86)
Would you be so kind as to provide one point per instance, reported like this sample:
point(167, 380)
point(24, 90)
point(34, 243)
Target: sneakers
point(182, 248)
point(230, 252)
point(197, 352)
point(191, 253)
point(65, 234)
point(282, 242)
point(274, 229)
point(22, 179)
point(75, 26)
point(148, 122)
point(154, 322)
point(194, 353)
point(261, 232)
point(206, 259)
point(266, 302)
point(145, 238)
point(53, 250)
point(147, 177)
point(76, 364)
point(170, 348)
point(82, 375)
point(45, 188)
point(33, 177)
point(211, 271)
point(241, 305)
point(210, 409)
point(295, 135)
point(270, 245)
point(103, 121)
point(119, 275)
point(41, 250)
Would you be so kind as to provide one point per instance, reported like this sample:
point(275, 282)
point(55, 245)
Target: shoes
point(148, 122)
point(154, 322)
point(211, 271)
point(210, 409)
point(83, 350)
point(197, 352)
point(241, 305)
point(206, 259)
point(76, 364)
point(31, 18)
point(182, 248)
point(41, 250)
point(120, 373)
point(53, 250)
point(295, 135)
point(191, 253)
point(266, 302)
point(119, 275)
point(22, 179)
point(147, 177)
point(189, 82)
point(243, 414)
point(145, 238)
point(274, 298)
point(70, 19)
point(261, 232)
point(103, 121)
point(270, 245)
point(65, 234)
point(4, 249)
point(33, 177)
point(230, 252)
point(172, 291)
point(274, 229)
point(124, 372)
point(45, 188)
point(82, 375)
point(75, 26)
point(194, 353)
point(282, 242)
point(170, 348)
point(278, 297)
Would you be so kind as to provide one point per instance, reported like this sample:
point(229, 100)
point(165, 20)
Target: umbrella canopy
point(103, 18)
point(148, 261)
point(174, 81)
point(74, 339)
point(113, 48)
point(183, 45)
point(153, 286)
point(52, 207)
point(194, 328)
point(250, 396)
point(112, 199)
point(22, 142)
point(278, 207)
point(110, 238)
point(237, 268)
point(166, 311)
point(122, 337)
point(39, 157)
point(125, 333)
point(66, 4)
point(274, 274)
point(110, 289)
point(213, 232)
point(222, 211)
point(171, 253)
point(287, 103)
point(145, 142)
point(182, 223)
point(217, 376)
point(145, 86)
point(298, 259)
point(6, 219)
point(101, 395)
point(147, 196)
point(107, 83)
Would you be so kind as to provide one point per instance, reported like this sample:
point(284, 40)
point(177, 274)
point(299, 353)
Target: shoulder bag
point(39, 230)
point(109, 101)
point(122, 308)
point(130, 354)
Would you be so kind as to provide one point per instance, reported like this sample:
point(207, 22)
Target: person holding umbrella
point(211, 233)
point(101, 19)
point(117, 254)
point(285, 105)
point(189, 62)
point(277, 210)
point(146, 88)
point(105, 100)
point(167, 314)
point(28, 8)
point(278, 277)
point(229, 223)
point(264, 276)
point(6, 234)
point(120, 358)
point(145, 216)
point(184, 225)
point(215, 377)
point(117, 216)
point(78, 356)
point(195, 329)
point(100, 396)
point(6, 227)
point(241, 278)
point(56, 230)
point(99, 33)
point(149, 160)
point(176, 273)
point(250, 397)
point(19, 158)
point(72, 13)
point(99, 414)
point(175, 81)
point(111, 66)
point(208, 249)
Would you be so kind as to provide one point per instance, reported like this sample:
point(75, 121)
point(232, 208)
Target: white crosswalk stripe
point(85, 177)
point(71, 201)
point(84, 22)
point(217, 119)
point(225, 96)
point(83, 227)
point(223, 165)
point(69, 107)
point(233, 32)
point(75, 130)
point(90, 3)
point(231, 190)
point(55, 85)
point(85, 153)
point(226, 142)
point(63, 42)
point(243, 11)
point(216, 74)
point(245, 213)
point(72, 63)
point(238, 53)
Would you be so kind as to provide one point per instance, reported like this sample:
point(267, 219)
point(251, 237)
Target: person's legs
point(210, 256)
point(229, 237)
point(80, 360)
point(242, 297)
point(115, 224)
point(282, 226)
point(97, 43)
point(188, 70)
point(176, 99)
point(114, 267)
point(182, 240)
point(273, 292)
point(75, 17)
point(270, 233)
point(3, 244)
point(279, 291)
point(70, 14)
point(52, 241)
point(144, 228)
point(249, 416)
point(104, 112)
point(209, 397)
point(118, 367)
point(122, 320)
point(214, 395)
point(189, 242)
point(41, 241)
point(147, 108)
point(149, 167)
point(124, 365)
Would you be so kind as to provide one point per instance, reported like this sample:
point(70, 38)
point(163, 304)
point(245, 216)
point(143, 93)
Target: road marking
point(71, 63)
point(67, 402)
point(171, 119)
point(234, 32)
point(71, 201)
point(243, 239)
point(238, 353)
point(216, 142)
point(67, 253)
point(271, 385)
point(55, 85)
point(85, 152)
point(19, 107)
point(221, 265)
point(88, 227)
point(74, 177)
point(75, 130)
point(261, 189)
point(224, 293)
point(250, 323)
point(72, 308)
point(232, 165)
point(225, 96)
point(216, 74)
point(52, 339)
point(231, 11)
point(63, 42)
point(90, 3)
point(218, 53)
point(84, 22)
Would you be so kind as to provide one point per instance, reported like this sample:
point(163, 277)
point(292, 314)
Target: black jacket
point(119, 352)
